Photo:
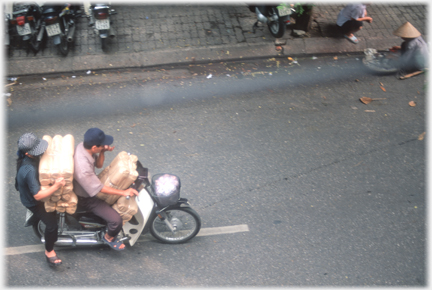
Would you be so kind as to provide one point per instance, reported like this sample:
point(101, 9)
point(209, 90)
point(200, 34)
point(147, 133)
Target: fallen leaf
point(370, 111)
point(412, 104)
point(335, 58)
point(382, 88)
point(381, 84)
point(421, 136)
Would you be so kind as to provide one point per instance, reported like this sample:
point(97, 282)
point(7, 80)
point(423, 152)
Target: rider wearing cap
point(88, 155)
point(30, 148)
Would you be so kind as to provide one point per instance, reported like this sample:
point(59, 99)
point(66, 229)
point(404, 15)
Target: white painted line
point(223, 230)
point(203, 232)
point(25, 249)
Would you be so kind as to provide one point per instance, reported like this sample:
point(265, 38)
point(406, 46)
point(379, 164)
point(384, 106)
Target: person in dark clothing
point(30, 148)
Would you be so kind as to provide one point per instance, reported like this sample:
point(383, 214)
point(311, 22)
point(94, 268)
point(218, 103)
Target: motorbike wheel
point(186, 222)
point(104, 44)
point(39, 229)
point(277, 28)
point(64, 46)
point(35, 45)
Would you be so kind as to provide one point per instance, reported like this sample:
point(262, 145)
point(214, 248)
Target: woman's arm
point(59, 182)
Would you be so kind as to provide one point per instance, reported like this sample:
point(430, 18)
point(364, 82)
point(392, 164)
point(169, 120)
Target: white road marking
point(203, 232)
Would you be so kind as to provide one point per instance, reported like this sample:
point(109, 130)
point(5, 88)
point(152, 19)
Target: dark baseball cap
point(96, 137)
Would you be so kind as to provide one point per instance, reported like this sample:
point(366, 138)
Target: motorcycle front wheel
point(185, 221)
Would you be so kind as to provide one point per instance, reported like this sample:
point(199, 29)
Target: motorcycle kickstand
point(255, 26)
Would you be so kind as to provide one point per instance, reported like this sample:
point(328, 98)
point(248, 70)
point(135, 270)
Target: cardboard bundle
point(57, 161)
point(120, 174)
point(127, 208)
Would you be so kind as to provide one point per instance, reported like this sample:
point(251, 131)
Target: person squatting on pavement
point(414, 51)
point(88, 155)
point(350, 20)
point(30, 149)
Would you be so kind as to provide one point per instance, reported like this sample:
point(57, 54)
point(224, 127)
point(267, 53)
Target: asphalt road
point(332, 190)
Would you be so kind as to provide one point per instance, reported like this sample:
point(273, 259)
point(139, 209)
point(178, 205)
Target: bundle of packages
point(120, 174)
point(57, 161)
point(127, 208)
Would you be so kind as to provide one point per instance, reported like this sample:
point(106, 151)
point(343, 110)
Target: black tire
point(104, 44)
point(39, 229)
point(64, 45)
point(186, 221)
point(35, 45)
point(277, 28)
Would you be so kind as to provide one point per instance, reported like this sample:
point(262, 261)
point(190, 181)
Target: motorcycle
point(59, 21)
point(161, 211)
point(276, 17)
point(99, 18)
point(27, 19)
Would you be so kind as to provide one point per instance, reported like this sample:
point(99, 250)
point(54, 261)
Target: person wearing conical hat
point(414, 51)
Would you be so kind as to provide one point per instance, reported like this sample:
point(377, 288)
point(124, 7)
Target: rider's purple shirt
point(85, 181)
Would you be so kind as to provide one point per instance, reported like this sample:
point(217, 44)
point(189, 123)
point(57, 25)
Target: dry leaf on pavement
point(421, 136)
point(412, 104)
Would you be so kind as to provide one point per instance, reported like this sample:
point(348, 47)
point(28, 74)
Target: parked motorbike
point(27, 19)
point(59, 22)
point(8, 12)
point(99, 18)
point(276, 17)
point(161, 211)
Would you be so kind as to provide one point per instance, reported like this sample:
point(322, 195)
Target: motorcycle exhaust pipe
point(71, 34)
point(260, 16)
point(40, 34)
point(69, 242)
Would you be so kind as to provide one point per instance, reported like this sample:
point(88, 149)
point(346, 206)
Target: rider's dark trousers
point(50, 221)
point(103, 210)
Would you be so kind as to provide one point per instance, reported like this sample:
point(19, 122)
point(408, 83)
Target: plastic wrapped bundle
point(127, 208)
point(120, 174)
point(57, 161)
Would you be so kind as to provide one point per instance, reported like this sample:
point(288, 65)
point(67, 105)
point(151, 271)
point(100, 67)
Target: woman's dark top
point(28, 181)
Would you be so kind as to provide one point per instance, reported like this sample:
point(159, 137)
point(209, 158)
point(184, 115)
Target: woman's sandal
point(52, 261)
point(353, 39)
point(114, 244)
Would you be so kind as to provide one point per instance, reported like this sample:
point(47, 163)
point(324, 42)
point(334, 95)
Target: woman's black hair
point(20, 158)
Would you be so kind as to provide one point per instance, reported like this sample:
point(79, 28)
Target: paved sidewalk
point(150, 35)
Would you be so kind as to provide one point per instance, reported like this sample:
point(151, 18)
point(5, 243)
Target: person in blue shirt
point(350, 20)
point(30, 149)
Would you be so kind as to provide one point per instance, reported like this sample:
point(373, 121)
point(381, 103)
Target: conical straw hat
point(407, 30)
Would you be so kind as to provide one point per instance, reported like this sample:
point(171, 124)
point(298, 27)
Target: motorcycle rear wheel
point(39, 229)
point(277, 28)
point(186, 222)
point(64, 46)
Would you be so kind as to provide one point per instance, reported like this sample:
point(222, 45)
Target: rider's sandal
point(114, 244)
point(52, 261)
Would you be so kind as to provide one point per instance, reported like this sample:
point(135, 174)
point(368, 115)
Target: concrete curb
point(293, 48)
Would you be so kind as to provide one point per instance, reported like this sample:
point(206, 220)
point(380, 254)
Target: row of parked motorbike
point(34, 23)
